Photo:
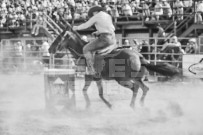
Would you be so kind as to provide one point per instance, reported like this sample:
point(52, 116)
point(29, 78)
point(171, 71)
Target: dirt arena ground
point(171, 109)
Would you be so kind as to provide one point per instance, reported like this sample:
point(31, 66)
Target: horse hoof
point(87, 106)
point(142, 103)
point(132, 106)
point(110, 106)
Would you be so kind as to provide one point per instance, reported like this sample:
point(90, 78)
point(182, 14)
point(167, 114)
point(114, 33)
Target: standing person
point(199, 12)
point(158, 11)
point(161, 36)
point(45, 52)
point(18, 55)
point(105, 32)
point(167, 11)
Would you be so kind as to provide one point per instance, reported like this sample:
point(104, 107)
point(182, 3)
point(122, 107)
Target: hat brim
point(94, 9)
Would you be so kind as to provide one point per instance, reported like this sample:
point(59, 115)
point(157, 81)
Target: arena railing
point(32, 60)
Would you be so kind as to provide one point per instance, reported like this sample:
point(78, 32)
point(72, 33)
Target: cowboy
point(105, 33)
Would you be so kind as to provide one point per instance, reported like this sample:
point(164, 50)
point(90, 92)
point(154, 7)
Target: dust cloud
point(171, 108)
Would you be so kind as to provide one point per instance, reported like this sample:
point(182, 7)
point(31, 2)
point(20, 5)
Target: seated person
point(146, 12)
point(199, 11)
point(127, 10)
point(167, 11)
point(158, 11)
point(178, 9)
point(170, 49)
point(192, 47)
point(173, 42)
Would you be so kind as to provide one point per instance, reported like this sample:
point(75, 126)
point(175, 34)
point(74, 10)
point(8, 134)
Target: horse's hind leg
point(135, 90)
point(144, 88)
point(101, 95)
point(88, 81)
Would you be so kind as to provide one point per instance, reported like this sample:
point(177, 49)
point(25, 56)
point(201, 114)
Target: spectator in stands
point(108, 9)
point(199, 12)
point(2, 20)
point(133, 6)
point(28, 50)
point(173, 43)
point(39, 24)
point(119, 7)
point(67, 14)
point(136, 9)
point(178, 9)
point(145, 10)
point(145, 48)
point(18, 55)
point(137, 46)
point(167, 11)
point(187, 3)
point(161, 36)
point(114, 12)
point(192, 47)
point(126, 9)
point(158, 11)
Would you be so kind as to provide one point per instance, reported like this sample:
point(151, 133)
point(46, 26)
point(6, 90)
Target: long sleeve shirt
point(102, 21)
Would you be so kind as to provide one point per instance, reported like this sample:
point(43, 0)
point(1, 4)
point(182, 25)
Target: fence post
point(175, 28)
point(1, 55)
point(24, 55)
point(155, 55)
point(51, 61)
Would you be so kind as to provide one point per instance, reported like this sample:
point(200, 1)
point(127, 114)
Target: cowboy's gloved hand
point(75, 28)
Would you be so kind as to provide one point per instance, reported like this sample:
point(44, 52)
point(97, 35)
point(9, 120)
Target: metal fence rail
point(31, 60)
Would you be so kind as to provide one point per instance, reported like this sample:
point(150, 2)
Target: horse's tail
point(165, 69)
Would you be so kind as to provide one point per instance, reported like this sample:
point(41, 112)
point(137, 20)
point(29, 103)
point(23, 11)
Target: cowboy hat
point(94, 9)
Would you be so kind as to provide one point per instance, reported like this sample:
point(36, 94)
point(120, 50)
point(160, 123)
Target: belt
point(106, 34)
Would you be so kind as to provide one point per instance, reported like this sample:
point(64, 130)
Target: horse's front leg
point(101, 94)
point(88, 81)
point(131, 85)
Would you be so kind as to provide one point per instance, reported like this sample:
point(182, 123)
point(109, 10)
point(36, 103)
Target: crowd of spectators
point(14, 13)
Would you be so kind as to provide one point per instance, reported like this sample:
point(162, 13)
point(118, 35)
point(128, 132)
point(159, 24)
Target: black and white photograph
point(101, 67)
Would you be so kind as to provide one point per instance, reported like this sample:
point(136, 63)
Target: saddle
point(99, 61)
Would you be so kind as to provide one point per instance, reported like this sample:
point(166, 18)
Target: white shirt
point(45, 49)
point(102, 21)
point(200, 7)
point(127, 10)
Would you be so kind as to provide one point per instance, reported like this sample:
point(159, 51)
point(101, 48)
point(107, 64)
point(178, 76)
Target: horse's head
point(68, 39)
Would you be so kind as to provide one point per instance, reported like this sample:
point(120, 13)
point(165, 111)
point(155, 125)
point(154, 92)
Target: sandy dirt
point(170, 109)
